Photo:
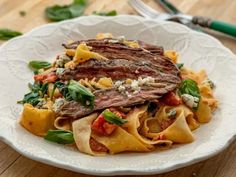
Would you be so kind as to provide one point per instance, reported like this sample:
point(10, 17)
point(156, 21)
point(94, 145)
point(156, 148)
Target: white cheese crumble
point(133, 84)
point(62, 60)
point(58, 103)
point(118, 83)
point(190, 100)
point(59, 71)
point(208, 82)
point(121, 88)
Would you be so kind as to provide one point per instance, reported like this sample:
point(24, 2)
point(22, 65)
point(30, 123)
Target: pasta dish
point(110, 95)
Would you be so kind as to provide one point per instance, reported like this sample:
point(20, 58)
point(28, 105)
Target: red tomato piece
point(97, 125)
point(48, 78)
point(101, 127)
point(39, 77)
point(171, 99)
point(51, 77)
point(109, 128)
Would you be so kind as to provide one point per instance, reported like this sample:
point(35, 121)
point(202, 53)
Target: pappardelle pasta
point(110, 95)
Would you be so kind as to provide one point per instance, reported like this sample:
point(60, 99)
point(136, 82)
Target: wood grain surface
point(12, 164)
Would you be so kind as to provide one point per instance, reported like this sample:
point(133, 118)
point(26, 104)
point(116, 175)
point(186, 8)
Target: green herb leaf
point(80, 93)
point(6, 34)
point(179, 65)
point(31, 98)
point(110, 13)
point(113, 118)
point(37, 93)
point(58, 13)
point(36, 65)
point(60, 136)
point(190, 87)
point(63, 88)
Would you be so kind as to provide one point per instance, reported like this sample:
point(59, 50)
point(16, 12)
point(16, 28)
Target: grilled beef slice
point(123, 62)
point(113, 98)
point(105, 43)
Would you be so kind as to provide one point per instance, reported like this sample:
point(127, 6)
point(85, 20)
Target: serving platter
point(196, 50)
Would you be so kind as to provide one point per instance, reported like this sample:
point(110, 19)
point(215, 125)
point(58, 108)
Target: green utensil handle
point(220, 26)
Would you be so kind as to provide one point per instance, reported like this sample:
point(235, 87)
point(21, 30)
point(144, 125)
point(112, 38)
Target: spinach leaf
point(36, 65)
point(58, 13)
point(63, 88)
point(80, 93)
point(113, 118)
point(31, 98)
point(60, 136)
point(110, 13)
point(190, 87)
point(37, 93)
point(190, 93)
point(6, 34)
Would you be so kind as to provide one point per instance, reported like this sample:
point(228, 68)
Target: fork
point(150, 13)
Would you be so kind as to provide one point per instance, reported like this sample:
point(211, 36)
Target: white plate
point(197, 50)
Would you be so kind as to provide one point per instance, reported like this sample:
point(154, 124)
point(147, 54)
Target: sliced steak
point(118, 69)
point(113, 98)
point(123, 62)
point(121, 51)
point(104, 42)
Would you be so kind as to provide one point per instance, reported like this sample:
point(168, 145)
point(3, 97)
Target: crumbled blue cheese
point(59, 71)
point(171, 113)
point(128, 94)
point(134, 84)
point(207, 81)
point(121, 88)
point(146, 80)
point(118, 83)
point(190, 100)
point(58, 103)
point(62, 60)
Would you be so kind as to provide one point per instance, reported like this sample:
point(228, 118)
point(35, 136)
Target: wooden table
point(12, 164)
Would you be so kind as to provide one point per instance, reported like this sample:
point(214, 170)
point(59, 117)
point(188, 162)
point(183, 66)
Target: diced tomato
point(97, 125)
point(109, 128)
point(171, 99)
point(101, 127)
point(51, 77)
point(39, 77)
point(48, 78)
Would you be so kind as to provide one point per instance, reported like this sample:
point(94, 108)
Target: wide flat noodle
point(207, 96)
point(135, 119)
point(120, 141)
point(82, 133)
point(189, 116)
point(179, 130)
point(204, 112)
point(62, 123)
